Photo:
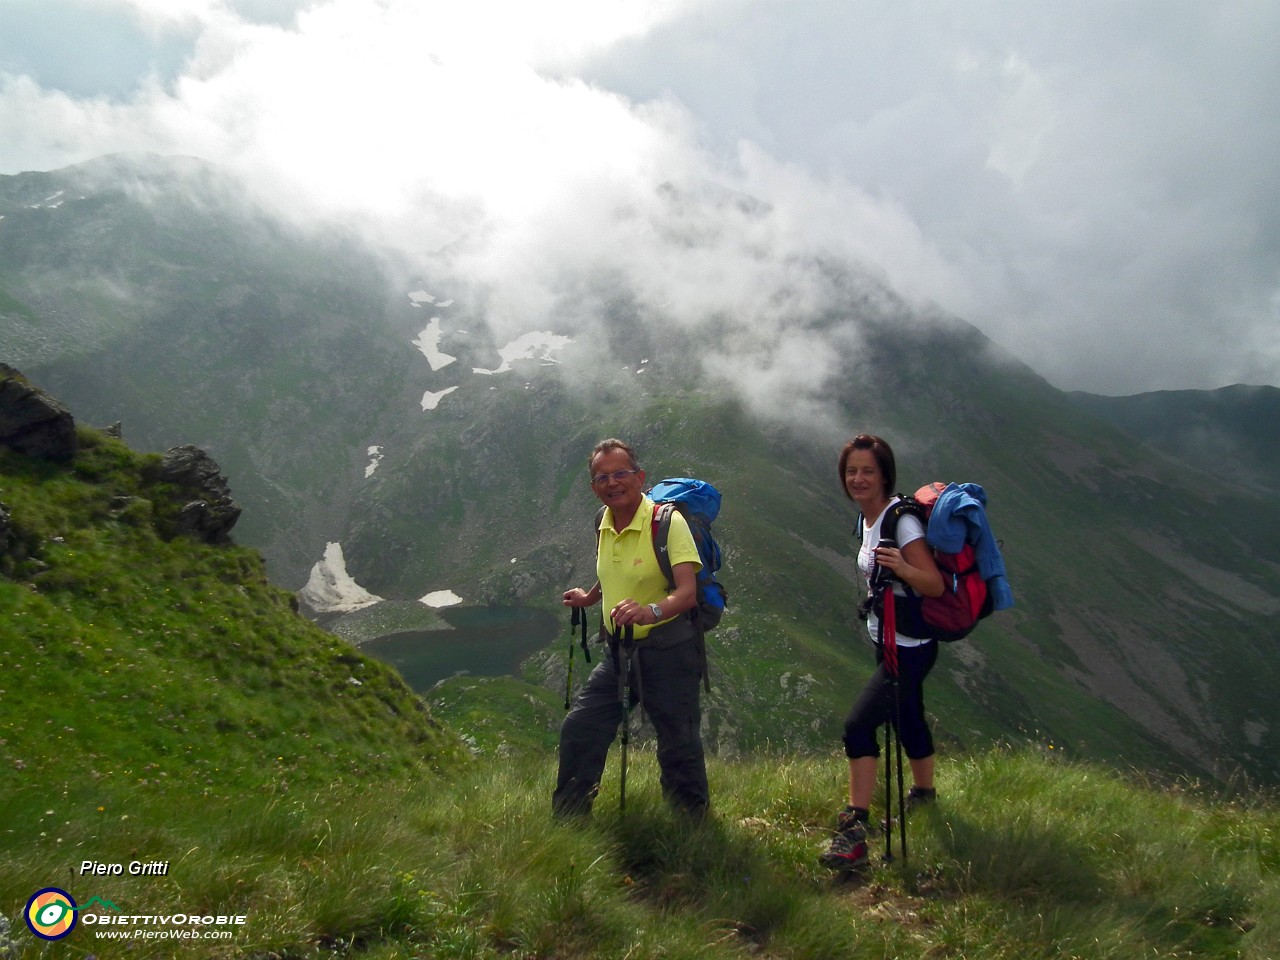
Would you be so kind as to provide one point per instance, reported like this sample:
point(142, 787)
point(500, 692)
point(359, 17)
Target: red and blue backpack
point(966, 599)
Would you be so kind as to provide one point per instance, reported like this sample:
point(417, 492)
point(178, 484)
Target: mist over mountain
point(434, 427)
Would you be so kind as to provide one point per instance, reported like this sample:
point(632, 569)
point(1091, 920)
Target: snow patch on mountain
point(51, 202)
point(419, 297)
point(429, 343)
point(375, 458)
point(536, 345)
point(441, 598)
point(432, 400)
point(330, 589)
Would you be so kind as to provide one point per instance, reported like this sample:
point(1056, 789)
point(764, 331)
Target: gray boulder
point(211, 513)
point(32, 422)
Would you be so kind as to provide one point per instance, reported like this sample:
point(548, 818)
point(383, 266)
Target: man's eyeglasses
point(602, 478)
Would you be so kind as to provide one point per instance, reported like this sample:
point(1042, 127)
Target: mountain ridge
point(1226, 432)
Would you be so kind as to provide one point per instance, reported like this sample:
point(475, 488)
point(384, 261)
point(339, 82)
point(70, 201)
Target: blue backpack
point(699, 502)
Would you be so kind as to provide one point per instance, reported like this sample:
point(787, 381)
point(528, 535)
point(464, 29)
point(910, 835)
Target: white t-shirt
point(909, 529)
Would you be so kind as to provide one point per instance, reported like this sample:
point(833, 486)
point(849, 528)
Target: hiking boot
point(920, 797)
point(848, 848)
point(916, 797)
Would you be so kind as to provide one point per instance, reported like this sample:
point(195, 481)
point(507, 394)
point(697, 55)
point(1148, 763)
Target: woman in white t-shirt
point(868, 474)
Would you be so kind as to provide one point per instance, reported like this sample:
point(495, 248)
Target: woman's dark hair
point(884, 458)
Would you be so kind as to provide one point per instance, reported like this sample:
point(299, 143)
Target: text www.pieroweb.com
point(177, 926)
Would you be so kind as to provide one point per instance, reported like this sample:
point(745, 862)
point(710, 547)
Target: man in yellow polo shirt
point(666, 669)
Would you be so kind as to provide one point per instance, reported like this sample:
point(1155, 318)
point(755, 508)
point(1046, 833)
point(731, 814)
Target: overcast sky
point(1090, 183)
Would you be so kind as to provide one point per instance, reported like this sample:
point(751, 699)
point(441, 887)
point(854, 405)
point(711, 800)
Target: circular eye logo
point(51, 913)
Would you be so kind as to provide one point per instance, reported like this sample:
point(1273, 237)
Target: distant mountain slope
point(355, 401)
point(1230, 433)
point(153, 292)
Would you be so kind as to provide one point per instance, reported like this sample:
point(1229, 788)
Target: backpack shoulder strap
point(889, 525)
point(661, 531)
point(595, 531)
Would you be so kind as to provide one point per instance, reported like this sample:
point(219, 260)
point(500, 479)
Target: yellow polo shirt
point(627, 566)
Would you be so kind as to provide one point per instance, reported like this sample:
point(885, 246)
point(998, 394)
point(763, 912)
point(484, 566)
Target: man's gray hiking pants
point(666, 683)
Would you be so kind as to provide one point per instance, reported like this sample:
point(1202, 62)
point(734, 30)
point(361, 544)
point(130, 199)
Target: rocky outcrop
point(211, 514)
point(37, 425)
point(32, 422)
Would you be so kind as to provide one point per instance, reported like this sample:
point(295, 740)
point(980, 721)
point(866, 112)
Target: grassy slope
point(1023, 857)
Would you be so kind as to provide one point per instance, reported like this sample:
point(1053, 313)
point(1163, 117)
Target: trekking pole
point(624, 689)
point(889, 650)
point(586, 650)
point(573, 630)
point(887, 856)
point(579, 618)
point(891, 640)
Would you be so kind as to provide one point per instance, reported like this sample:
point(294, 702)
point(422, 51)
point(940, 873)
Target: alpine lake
point(483, 641)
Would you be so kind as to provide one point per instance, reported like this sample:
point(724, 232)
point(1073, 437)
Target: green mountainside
point(155, 294)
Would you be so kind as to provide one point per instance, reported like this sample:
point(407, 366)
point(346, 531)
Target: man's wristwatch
point(657, 612)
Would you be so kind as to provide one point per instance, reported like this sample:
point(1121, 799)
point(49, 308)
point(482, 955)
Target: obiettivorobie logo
point(51, 913)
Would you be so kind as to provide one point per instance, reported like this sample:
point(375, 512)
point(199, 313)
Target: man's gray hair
point(613, 443)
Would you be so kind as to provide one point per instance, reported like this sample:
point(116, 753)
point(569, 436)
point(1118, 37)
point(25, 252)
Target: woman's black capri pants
point(875, 706)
